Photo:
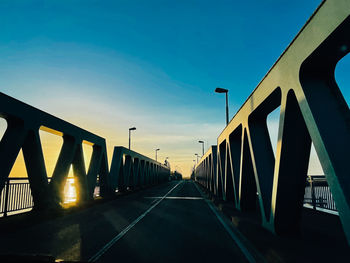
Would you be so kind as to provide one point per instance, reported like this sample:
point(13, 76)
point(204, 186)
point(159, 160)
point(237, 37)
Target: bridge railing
point(205, 170)
point(23, 125)
point(16, 196)
point(130, 170)
point(22, 132)
point(312, 110)
point(318, 194)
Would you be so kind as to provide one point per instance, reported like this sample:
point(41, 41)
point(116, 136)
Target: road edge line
point(235, 237)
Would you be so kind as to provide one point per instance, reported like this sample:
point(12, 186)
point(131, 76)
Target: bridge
point(243, 203)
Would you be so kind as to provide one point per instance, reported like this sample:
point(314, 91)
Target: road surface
point(171, 222)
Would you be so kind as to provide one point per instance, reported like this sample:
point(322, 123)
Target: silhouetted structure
point(128, 170)
point(312, 109)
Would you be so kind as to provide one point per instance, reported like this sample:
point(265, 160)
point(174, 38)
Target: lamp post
point(194, 161)
point(156, 153)
point(131, 129)
point(196, 154)
point(220, 90)
point(202, 142)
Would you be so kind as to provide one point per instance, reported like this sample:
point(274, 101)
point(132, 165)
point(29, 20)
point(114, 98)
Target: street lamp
point(156, 153)
point(202, 147)
point(220, 90)
point(196, 154)
point(131, 129)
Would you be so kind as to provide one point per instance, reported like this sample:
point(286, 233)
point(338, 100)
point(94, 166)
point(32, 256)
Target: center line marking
point(103, 250)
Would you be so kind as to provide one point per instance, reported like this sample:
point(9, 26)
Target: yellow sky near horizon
point(51, 145)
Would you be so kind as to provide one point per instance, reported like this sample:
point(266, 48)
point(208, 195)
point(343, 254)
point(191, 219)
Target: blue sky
point(110, 65)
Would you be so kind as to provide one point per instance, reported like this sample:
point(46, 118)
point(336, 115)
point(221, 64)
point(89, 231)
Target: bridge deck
point(168, 223)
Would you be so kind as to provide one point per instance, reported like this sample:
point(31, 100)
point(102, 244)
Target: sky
point(110, 65)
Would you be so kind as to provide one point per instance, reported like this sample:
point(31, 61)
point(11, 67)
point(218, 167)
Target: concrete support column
point(10, 145)
point(62, 167)
point(35, 164)
point(292, 160)
point(247, 186)
point(80, 178)
point(93, 171)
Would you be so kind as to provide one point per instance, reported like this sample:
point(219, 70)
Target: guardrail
point(22, 132)
point(318, 194)
point(15, 196)
point(312, 109)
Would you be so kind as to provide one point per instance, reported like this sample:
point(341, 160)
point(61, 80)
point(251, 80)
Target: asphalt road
point(167, 223)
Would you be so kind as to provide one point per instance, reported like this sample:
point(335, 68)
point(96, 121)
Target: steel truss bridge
point(312, 110)
point(241, 171)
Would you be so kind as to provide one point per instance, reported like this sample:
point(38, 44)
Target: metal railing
point(318, 194)
point(15, 196)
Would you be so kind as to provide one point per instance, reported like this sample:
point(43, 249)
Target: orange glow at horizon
point(70, 191)
point(51, 147)
point(52, 143)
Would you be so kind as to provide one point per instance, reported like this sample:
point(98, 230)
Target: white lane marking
point(176, 197)
point(155, 200)
point(103, 250)
point(234, 237)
